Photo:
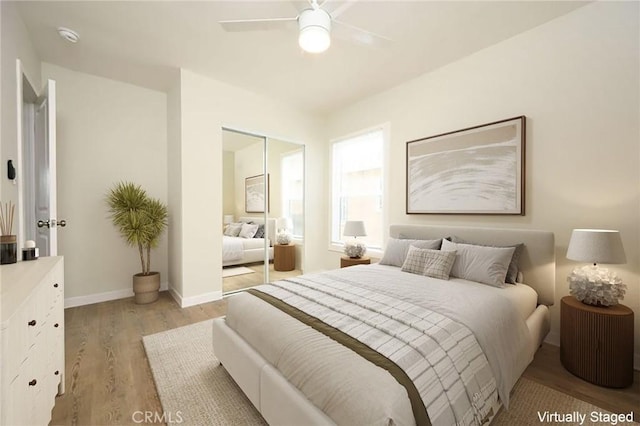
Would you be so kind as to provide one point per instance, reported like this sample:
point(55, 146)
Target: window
point(357, 187)
point(292, 177)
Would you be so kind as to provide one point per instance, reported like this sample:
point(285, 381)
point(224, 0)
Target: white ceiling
point(145, 42)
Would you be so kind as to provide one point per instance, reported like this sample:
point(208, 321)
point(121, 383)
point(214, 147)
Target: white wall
point(108, 132)
point(228, 183)
point(15, 44)
point(206, 106)
point(577, 80)
point(249, 161)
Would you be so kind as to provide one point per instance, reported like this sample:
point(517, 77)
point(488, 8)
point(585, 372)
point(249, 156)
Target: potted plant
point(141, 221)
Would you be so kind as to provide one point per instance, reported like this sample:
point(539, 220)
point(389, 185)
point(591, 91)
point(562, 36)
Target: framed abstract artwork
point(478, 170)
point(254, 194)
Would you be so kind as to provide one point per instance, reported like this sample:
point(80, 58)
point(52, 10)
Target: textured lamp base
point(596, 343)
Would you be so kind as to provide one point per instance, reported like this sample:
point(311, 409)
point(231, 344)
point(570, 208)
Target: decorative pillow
point(439, 264)
point(233, 229)
point(260, 231)
point(512, 273)
point(248, 230)
point(396, 250)
point(487, 265)
point(432, 263)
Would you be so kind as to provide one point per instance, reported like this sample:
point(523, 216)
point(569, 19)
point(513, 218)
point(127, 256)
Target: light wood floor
point(239, 282)
point(108, 378)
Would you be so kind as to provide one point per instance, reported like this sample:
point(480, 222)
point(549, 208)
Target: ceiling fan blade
point(356, 34)
point(257, 24)
point(340, 9)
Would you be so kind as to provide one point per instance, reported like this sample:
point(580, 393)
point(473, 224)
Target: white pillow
point(396, 250)
point(248, 230)
point(487, 265)
point(432, 263)
point(233, 229)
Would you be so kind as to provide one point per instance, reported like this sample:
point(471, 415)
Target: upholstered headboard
point(269, 229)
point(537, 262)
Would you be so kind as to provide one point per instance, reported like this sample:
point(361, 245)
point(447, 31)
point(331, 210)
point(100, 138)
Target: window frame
point(338, 246)
point(301, 152)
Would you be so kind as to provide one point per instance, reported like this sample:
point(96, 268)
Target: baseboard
point(185, 302)
point(90, 299)
point(553, 338)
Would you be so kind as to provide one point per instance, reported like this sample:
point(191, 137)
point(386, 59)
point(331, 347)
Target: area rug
point(190, 381)
point(238, 270)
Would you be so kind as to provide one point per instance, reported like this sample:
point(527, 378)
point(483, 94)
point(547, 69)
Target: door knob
point(62, 223)
point(43, 223)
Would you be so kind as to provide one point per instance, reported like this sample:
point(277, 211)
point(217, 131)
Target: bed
point(240, 251)
point(294, 373)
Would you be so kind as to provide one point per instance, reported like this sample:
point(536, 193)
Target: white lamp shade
point(354, 228)
point(285, 223)
point(315, 28)
point(596, 246)
point(228, 218)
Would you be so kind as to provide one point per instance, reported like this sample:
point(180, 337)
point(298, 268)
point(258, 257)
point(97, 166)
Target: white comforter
point(493, 319)
point(232, 248)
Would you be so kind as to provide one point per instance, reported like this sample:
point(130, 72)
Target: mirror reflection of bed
point(251, 255)
point(242, 262)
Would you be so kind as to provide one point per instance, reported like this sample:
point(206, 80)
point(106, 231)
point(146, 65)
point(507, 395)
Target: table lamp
point(353, 248)
point(592, 284)
point(284, 225)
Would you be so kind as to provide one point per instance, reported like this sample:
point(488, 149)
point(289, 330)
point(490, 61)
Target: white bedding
point(495, 320)
point(233, 248)
point(523, 297)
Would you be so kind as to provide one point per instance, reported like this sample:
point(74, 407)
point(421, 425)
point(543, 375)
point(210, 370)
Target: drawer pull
point(33, 382)
point(32, 323)
point(56, 325)
point(56, 372)
point(55, 285)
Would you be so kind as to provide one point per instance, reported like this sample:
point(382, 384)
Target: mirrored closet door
point(263, 209)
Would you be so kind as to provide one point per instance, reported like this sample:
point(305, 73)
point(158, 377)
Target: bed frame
point(281, 403)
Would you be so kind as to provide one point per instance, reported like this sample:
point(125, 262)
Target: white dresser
point(32, 338)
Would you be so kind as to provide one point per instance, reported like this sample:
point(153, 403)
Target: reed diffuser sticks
point(7, 214)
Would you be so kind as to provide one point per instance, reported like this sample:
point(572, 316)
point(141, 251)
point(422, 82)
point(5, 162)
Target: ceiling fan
point(314, 27)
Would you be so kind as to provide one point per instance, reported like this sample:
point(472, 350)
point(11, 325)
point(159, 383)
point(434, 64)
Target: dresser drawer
point(32, 340)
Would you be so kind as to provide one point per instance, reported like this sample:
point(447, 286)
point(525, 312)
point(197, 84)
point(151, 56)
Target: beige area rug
point(238, 270)
point(197, 390)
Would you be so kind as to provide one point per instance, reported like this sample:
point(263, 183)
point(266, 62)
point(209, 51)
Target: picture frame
point(478, 170)
point(254, 193)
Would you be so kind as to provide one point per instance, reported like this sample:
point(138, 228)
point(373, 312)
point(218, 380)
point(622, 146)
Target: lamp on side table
point(596, 332)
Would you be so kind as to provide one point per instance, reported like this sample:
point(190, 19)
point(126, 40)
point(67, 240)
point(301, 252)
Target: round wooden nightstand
point(284, 257)
point(596, 343)
point(350, 261)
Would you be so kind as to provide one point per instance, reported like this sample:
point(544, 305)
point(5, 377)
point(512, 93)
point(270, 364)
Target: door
point(45, 172)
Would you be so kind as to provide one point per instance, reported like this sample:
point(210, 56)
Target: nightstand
point(284, 257)
point(350, 261)
point(596, 343)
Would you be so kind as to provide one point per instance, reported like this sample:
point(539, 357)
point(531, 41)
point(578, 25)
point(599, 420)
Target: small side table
point(284, 257)
point(596, 343)
point(350, 261)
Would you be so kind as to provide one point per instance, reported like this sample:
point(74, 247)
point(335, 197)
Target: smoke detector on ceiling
point(69, 35)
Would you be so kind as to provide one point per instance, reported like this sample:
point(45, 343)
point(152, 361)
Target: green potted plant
point(141, 221)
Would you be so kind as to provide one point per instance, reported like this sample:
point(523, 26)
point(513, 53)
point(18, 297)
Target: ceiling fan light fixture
point(315, 30)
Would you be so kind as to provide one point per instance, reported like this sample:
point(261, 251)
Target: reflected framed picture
point(477, 170)
point(255, 189)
